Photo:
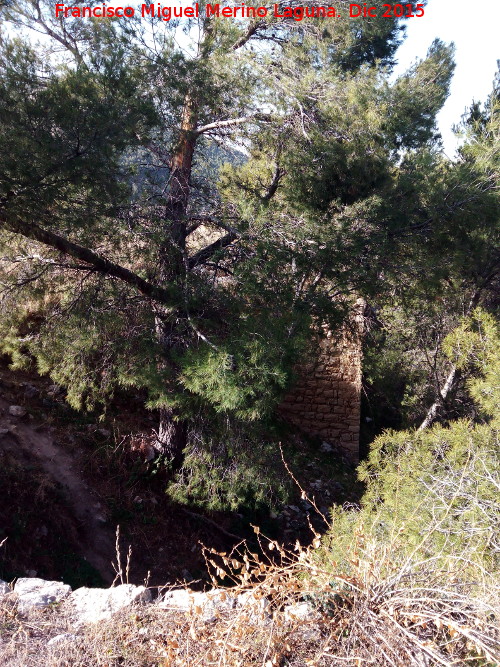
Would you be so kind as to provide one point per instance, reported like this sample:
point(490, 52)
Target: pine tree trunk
point(172, 432)
point(172, 437)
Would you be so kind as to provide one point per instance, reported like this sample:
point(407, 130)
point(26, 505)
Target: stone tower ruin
point(326, 399)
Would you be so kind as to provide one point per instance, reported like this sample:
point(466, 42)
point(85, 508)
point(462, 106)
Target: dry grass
point(419, 615)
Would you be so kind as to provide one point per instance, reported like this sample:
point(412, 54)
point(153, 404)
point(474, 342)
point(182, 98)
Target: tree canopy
point(181, 203)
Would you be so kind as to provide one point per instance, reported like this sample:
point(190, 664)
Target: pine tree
point(447, 264)
point(150, 270)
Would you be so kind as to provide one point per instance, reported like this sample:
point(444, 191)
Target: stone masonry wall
point(325, 401)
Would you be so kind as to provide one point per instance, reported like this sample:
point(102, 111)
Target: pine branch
point(206, 253)
point(454, 376)
point(165, 295)
point(221, 124)
point(273, 186)
point(251, 30)
point(450, 384)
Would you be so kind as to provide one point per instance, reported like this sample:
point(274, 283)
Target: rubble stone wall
point(325, 401)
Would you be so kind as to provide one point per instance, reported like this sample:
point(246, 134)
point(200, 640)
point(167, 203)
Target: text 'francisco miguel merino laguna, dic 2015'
point(298, 13)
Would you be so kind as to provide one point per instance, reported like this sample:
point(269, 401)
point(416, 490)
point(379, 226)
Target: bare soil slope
point(36, 446)
point(67, 482)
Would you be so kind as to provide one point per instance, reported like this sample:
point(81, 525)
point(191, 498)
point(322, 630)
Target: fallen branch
point(205, 519)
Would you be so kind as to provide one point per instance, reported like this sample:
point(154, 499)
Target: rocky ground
point(45, 623)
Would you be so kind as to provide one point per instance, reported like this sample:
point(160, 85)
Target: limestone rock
point(255, 606)
point(17, 411)
point(4, 588)
point(96, 604)
point(205, 604)
point(33, 592)
point(305, 619)
point(209, 605)
point(300, 611)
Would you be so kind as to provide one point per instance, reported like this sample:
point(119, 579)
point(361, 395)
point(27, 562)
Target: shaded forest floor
point(67, 480)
